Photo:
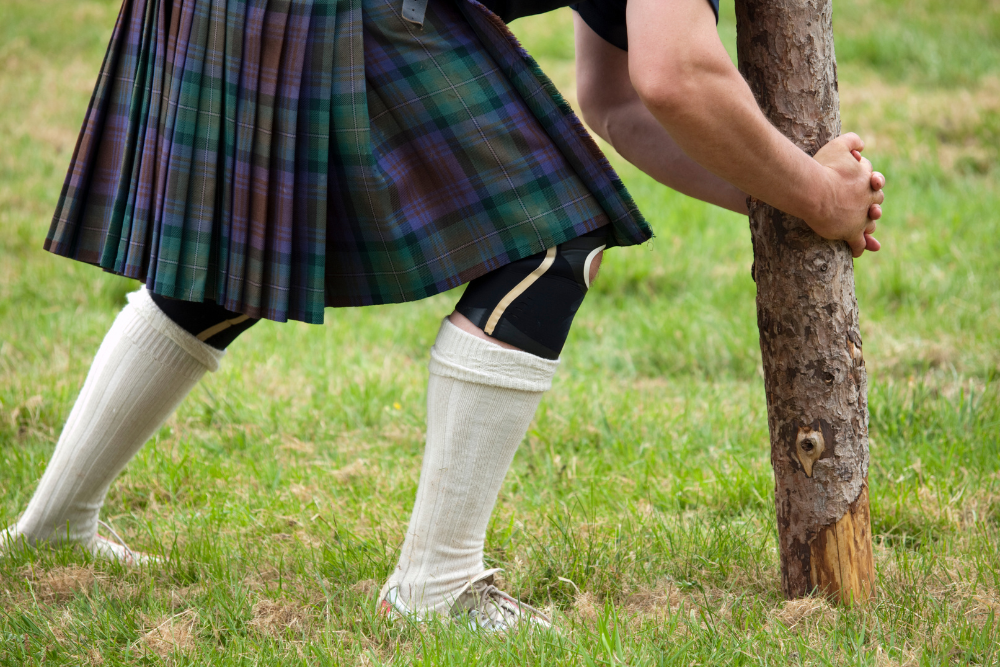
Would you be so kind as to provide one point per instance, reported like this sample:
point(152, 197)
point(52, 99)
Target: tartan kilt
point(279, 156)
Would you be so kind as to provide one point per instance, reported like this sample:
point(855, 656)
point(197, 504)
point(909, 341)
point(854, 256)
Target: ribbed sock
point(145, 366)
point(480, 400)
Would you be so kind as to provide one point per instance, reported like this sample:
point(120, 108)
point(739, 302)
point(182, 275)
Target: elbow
point(666, 97)
point(595, 110)
point(614, 123)
point(669, 86)
point(608, 120)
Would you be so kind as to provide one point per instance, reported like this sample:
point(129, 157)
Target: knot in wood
point(809, 447)
point(855, 350)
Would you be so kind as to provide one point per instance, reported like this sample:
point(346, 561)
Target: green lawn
point(639, 509)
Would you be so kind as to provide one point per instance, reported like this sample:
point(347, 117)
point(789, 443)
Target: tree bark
point(814, 371)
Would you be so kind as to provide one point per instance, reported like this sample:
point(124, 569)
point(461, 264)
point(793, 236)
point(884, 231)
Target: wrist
point(817, 203)
point(801, 188)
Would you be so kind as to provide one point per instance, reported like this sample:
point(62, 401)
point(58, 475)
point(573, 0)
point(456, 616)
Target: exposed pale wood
point(807, 314)
point(842, 564)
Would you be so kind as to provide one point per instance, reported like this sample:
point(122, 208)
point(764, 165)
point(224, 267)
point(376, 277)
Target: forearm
point(719, 123)
point(639, 138)
point(685, 78)
point(701, 129)
point(613, 110)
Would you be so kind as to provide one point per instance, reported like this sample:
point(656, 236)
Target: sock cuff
point(462, 356)
point(203, 353)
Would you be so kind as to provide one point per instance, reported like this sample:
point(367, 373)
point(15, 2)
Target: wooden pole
point(814, 370)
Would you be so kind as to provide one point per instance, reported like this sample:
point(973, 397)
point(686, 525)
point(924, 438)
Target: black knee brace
point(208, 322)
point(531, 303)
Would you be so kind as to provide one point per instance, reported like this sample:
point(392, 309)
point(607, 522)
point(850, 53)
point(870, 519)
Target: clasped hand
point(851, 195)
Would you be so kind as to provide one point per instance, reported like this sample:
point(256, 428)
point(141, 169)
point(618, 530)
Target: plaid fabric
point(279, 156)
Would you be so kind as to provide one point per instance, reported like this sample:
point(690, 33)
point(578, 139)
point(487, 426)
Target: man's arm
point(613, 110)
point(683, 76)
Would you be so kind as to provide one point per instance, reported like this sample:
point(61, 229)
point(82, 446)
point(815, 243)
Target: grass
point(639, 507)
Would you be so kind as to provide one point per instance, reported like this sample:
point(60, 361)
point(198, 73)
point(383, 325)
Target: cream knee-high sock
point(480, 400)
point(145, 366)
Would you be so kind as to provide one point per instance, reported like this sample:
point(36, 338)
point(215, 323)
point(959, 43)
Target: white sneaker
point(99, 546)
point(480, 605)
point(102, 547)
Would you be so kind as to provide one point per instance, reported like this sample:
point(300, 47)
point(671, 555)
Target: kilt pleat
point(241, 119)
point(280, 156)
point(133, 131)
point(132, 258)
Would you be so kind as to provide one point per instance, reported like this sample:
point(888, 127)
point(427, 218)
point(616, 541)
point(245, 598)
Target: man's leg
point(147, 363)
point(491, 362)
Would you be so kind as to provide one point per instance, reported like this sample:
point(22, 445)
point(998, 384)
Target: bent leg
point(145, 366)
point(530, 304)
point(482, 394)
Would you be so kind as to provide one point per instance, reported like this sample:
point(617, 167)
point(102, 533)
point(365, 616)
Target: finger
point(858, 245)
point(853, 141)
point(874, 211)
point(878, 197)
point(871, 243)
point(857, 155)
point(878, 180)
point(867, 164)
point(870, 227)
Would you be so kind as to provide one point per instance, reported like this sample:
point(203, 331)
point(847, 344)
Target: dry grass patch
point(666, 599)
point(896, 120)
point(174, 634)
point(907, 355)
point(366, 588)
point(350, 472)
point(983, 607)
point(663, 599)
point(59, 583)
point(961, 510)
point(909, 659)
point(802, 615)
point(182, 597)
point(290, 443)
point(278, 619)
point(585, 606)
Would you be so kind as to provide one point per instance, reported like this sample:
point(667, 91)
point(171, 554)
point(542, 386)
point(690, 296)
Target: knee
point(207, 321)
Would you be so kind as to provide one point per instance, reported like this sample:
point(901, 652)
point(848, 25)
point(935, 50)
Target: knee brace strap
point(208, 321)
point(531, 303)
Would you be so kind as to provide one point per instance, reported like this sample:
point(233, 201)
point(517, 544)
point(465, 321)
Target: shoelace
point(489, 591)
point(121, 542)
